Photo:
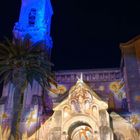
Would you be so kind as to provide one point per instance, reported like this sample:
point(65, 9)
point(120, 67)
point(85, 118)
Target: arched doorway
point(80, 131)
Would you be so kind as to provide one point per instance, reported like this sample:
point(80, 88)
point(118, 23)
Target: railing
point(89, 75)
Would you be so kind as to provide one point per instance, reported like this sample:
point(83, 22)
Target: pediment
point(81, 98)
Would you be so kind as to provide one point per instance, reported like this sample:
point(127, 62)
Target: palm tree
point(20, 64)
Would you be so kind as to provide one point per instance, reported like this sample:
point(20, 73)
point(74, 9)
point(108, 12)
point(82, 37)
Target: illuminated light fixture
point(137, 98)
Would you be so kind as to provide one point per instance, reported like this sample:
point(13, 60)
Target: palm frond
point(33, 59)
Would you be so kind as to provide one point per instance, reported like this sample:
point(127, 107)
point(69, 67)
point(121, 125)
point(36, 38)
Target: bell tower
point(35, 20)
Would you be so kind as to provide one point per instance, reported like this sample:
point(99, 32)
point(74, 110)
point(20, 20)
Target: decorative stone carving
point(81, 98)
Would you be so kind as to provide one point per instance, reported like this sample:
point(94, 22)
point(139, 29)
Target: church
point(89, 104)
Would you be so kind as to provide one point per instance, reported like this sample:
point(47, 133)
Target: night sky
point(86, 33)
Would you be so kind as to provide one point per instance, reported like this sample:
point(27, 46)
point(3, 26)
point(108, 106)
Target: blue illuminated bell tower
point(35, 20)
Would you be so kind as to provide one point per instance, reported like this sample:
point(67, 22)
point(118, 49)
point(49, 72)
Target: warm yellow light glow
point(4, 116)
point(114, 86)
point(137, 98)
point(4, 134)
point(32, 118)
point(66, 114)
point(60, 89)
point(134, 119)
point(101, 88)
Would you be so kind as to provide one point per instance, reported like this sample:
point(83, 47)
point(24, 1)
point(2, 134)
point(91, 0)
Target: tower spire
point(35, 20)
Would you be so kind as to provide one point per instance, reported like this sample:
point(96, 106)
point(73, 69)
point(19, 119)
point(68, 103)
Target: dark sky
point(86, 33)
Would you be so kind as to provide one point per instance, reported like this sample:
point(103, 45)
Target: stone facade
point(82, 115)
point(131, 57)
point(98, 79)
point(104, 104)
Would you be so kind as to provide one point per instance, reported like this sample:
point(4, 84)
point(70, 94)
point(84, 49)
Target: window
point(32, 17)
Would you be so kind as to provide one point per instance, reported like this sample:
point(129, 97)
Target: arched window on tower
point(32, 17)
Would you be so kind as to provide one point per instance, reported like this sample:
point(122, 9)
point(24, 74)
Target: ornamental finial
point(80, 79)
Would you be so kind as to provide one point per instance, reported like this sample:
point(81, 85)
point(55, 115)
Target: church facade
point(92, 104)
